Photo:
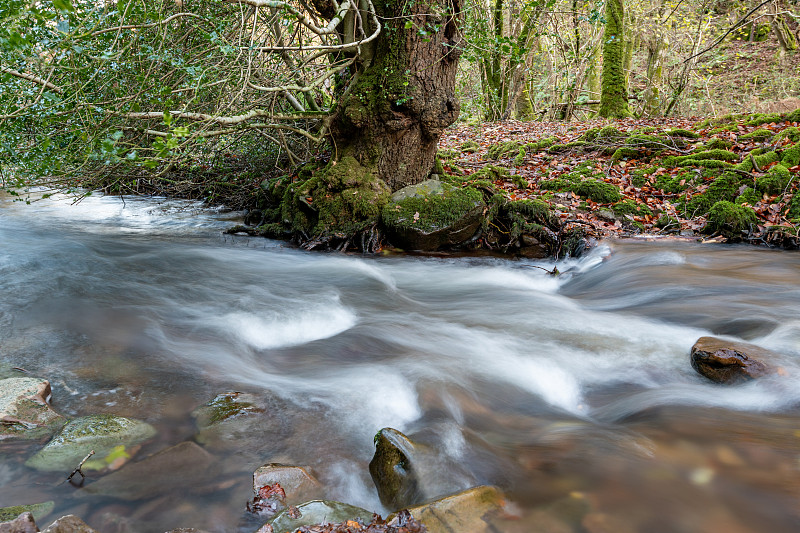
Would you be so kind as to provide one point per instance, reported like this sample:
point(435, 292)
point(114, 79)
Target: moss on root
point(327, 207)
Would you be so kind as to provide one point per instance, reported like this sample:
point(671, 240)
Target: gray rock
point(419, 190)
point(317, 512)
point(406, 473)
point(38, 510)
point(24, 523)
point(24, 409)
point(104, 434)
point(179, 468)
point(69, 524)
point(476, 510)
point(297, 483)
point(729, 362)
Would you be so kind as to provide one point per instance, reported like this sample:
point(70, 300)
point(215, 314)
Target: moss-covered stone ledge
point(432, 215)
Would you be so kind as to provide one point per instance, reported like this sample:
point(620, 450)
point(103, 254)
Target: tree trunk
point(392, 116)
point(614, 96)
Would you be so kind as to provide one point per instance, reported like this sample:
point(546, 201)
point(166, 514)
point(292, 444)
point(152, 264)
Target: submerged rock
point(24, 409)
point(24, 523)
point(227, 418)
point(297, 484)
point(107, 435)
point(317, 512)
point(180, 468)
point(406, 473)
point(38, 510)
point(475, 510)
point(729, 362)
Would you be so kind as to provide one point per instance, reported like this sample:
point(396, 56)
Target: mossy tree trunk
point(614, 94)
point(391, 117)
point(782, 31)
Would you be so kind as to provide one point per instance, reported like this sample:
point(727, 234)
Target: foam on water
point(292, 328)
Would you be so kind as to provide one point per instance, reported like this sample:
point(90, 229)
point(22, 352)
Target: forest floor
point(662, 176)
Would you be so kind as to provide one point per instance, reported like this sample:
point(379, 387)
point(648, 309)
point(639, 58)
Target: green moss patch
point(630, 207)
point(757, 135)
point(790, 156)
point(775, 181)
point(598, 191)
point(432, 212)
point(503, 150)
point(340, 201)
point(731, 220)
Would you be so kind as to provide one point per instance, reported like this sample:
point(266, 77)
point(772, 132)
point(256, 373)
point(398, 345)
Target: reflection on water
point(573, 394)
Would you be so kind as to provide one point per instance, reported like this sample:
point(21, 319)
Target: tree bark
point(403, 95)
point(614, 97)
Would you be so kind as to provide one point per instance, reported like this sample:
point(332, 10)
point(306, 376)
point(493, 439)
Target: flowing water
point(573, 394)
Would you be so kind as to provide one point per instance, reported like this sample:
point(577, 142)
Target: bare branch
point(138, 26)
point(35, 79)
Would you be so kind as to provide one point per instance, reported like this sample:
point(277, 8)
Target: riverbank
point(733, 179)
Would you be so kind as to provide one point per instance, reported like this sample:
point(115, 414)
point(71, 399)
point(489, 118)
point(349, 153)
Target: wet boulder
point(476, 510)
point(179, 469)
point(24, 523)
point(316, 512)
point(729, 362)
point(38, 510)
point(432, 215)
point(297, 484)
point(407, 473)
point(24, 409)
point(69, 524)
point(111, 438)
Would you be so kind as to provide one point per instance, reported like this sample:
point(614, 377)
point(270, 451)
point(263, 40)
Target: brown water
point(575, 395)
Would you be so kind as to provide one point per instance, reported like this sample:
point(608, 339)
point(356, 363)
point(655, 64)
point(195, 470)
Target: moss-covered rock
point(435, 218)
point(730, 220)
point(102, 433)
point(38, 510)
point(598, 191)
point(228, 417)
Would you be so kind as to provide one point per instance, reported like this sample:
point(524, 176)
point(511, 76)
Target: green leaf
point(167, 118)
point(408, 25)
point(63, 5)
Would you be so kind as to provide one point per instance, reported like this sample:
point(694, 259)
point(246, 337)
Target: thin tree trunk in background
point(614, 95)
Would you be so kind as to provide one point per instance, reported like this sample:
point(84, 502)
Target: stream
point(566, 392)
